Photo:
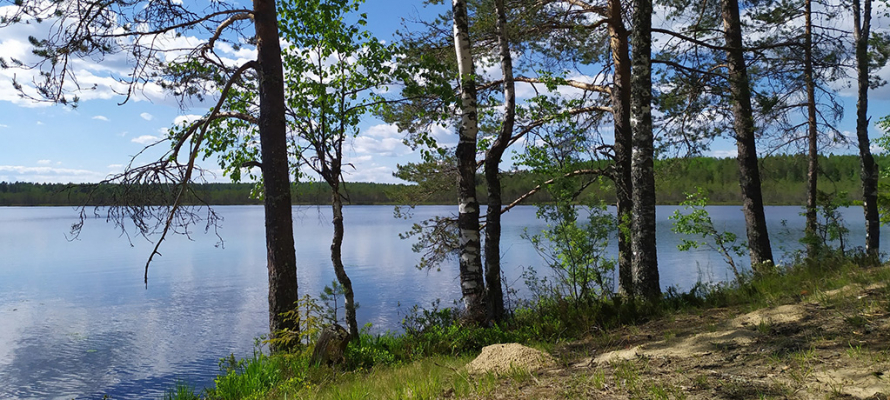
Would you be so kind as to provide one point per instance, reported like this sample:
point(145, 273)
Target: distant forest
point(783, 184)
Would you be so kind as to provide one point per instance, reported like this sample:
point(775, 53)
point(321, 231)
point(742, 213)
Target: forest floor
point(833, 344)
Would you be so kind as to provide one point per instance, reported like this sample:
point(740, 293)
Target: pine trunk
point(812, 133)
point(623, 142)
point(337, 261)
point(494, 290)
point(471, 276)
point(868, 170)
point(280, 256)
point(749, 171)
point(645, 256)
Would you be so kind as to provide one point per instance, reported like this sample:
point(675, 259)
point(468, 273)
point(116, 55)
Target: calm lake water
point(76, 320)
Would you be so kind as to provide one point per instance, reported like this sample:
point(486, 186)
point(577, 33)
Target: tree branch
point(600, 171)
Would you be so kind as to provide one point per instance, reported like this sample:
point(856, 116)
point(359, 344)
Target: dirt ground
point(833, 345)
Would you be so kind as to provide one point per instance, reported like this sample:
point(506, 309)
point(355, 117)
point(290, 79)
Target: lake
point(76, 320)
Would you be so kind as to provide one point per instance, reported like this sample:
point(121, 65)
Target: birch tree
point(471, 275)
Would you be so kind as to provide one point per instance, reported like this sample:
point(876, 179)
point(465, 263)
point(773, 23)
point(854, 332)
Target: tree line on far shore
point(784, 183)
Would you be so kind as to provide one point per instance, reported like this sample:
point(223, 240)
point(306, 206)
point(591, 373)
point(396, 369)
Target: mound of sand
point(501, 358)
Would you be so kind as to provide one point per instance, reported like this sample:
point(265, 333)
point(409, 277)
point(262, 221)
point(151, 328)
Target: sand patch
point(619, 355)
point(695, 345)
point(791, 313)
point(701, 344)
point(501, 358)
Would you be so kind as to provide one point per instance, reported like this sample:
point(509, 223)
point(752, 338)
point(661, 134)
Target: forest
point(600, 103)
point(784, 183)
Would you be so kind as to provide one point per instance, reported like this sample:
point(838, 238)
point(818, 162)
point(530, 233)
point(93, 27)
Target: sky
point(58, 144)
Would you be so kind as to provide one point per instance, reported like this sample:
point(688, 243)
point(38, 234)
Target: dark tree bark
point(749, 171)
point(471, 275)
point(645, 256)
point(621, 91)
point(868, 170)
point(493, 288)
point(812, 132)
point(280, 255)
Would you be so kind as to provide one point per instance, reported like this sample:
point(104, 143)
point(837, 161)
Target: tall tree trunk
point(812, 132)
point(621, 90)
point(749, 171)
point(337, 259)
point(471, 276)
point(868, 170)
point(494, 290)
point(645, 257)
point(280, 256)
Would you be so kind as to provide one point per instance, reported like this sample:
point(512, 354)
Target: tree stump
point(331, 346)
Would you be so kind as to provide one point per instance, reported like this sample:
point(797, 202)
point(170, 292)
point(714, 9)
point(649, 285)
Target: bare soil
point(833, 345)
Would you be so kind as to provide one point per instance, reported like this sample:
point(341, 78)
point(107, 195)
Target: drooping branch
point(184, 183)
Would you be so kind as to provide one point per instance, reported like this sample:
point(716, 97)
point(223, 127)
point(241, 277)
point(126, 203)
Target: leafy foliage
point(697, 222)
point(575, 252)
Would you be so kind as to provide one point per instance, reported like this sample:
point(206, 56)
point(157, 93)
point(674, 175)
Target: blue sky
point(43, 143)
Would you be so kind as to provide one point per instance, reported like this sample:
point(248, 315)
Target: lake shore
point(810, 332)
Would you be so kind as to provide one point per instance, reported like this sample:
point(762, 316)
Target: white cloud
point(95, 75)
point(381, 140)
point(101, 117)
point(184, 119)
point(731, 153)
point(44, 162)
point(17, 173)
point(146, 116)
point(3, 126)
point(145, 139)
point(383, 131)
point(387, 147)
point(115, 166)
point(39, 122)
point(445, 136)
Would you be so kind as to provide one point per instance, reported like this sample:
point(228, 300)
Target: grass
point(425, 379)
point(426, 361)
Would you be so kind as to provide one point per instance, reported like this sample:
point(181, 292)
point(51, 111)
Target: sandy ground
point(833, 345)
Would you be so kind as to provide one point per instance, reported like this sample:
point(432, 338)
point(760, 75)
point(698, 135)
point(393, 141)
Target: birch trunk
point(868, 170)
point(280, 256)
point(645, 257)
point(471, 276)
point(494, 290)
point(749, 171)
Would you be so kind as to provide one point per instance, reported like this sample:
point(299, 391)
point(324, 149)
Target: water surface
point(76, 320)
